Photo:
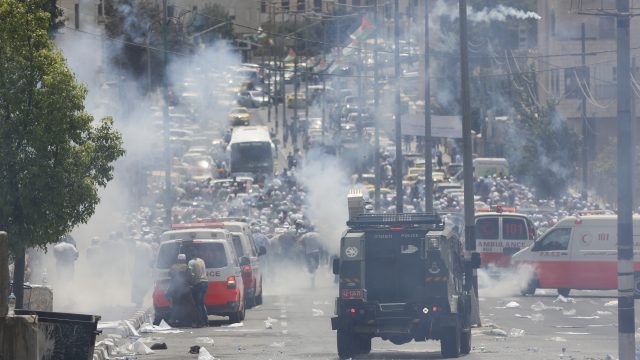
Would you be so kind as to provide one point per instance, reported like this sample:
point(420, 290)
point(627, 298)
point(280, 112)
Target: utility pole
point(324, 76)
point(625, 167)
point(626, 283)
point(307, 73)
point(376, 116)
point(284, 88)
point(296, 84)
point(469, 202)
point(268, 67)
point(585, 121)
point(165, 119)
point(396, 55)
point(428, 168)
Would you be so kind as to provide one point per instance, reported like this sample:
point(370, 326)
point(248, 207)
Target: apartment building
point(559, 62)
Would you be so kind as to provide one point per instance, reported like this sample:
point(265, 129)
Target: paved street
point(300, 328)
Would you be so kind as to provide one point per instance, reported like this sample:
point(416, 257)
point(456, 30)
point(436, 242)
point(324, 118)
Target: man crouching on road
point(199, 290)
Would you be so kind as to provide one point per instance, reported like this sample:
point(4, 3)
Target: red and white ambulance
point(500, 233)
point(579, 252)
point(225, 294)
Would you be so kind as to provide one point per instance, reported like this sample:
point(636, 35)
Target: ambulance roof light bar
point(498, 209)
point(200, 225)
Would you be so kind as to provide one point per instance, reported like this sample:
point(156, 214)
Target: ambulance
point(500, 233)
point(225, 294)
point(579, 252)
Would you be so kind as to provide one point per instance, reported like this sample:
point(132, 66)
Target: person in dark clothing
point(179, 294)
point(439, 159)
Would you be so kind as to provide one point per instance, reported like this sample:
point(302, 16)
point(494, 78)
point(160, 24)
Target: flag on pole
point(351, 49)
point(291, 56)
point(363, 32)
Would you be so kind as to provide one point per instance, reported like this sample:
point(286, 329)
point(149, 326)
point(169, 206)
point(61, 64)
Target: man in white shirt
point(199, 289)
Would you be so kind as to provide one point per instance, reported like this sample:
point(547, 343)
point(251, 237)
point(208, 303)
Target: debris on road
point(317, 312)
point(557, 339)
point(163, 328)
point(569, 312)
point(241, 324)
point(512, 305)
point(539, 306)
point(516, 332)
point(496, 332)
point(141, 348)
point(159, 346)
point(204, 340)
point(204, 354)
point(565, 300)
point(611, 303)
point(537, 317)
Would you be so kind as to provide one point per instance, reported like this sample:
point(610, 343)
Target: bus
point(251, 151)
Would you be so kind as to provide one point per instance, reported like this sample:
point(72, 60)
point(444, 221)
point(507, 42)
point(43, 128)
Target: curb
point(104, 349)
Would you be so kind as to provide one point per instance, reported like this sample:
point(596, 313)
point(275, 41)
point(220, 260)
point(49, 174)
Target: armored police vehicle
point(402, 278)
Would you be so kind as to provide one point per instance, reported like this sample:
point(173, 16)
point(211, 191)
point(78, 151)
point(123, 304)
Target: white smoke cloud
point(494, 282)
point(501, 13)
point(498, 13)
point(327, 185)
point(100, 289)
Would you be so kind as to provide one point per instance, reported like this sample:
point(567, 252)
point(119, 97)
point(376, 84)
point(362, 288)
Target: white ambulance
point(579, 252)
point(500, 233)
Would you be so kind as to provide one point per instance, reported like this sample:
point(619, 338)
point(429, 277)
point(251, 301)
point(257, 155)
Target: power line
point(478, 76)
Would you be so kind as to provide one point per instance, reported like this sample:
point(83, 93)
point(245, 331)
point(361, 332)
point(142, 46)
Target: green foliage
point(53, 157)
point(139, 23)
point(211, 15)
point(56, 16)
point(604, 169)
point(543, 149)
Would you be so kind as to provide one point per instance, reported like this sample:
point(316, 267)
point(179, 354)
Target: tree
point(212, 16)
point(605, 166)
point(542, 148)
point(53, 155)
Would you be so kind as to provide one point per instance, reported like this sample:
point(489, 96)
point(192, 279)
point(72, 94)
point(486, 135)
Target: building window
point(606, 27)
point(355, 2)
point(302, 4)
point(555, 82)
point(263, 6)
point(552, 22)
point(614, 74)
point(573, 89)
point(317, 5)
point(285, 5)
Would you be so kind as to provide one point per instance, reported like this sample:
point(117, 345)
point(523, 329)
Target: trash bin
point(73, 335)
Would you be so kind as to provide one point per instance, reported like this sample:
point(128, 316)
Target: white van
point(242, 240)
point(579, 252)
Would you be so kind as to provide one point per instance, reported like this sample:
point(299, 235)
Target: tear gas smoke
point(106, 288)
point(327, 184)
point(498, 13)
point(508, 282)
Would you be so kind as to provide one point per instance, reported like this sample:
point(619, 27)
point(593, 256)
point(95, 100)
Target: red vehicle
point(247, 251)
point(225, 294)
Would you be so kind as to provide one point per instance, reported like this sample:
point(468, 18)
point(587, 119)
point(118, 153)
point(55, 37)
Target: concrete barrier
point(105, 348)
point(19, 337)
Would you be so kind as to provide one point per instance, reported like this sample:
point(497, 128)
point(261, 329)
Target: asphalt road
point(294, 323)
